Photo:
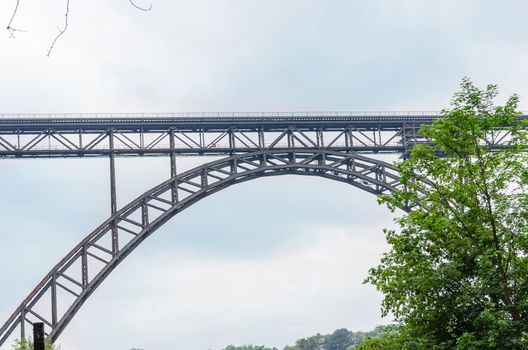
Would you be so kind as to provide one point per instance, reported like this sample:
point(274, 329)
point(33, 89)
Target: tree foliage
point(341, 339)
point(248, 347)
point(391, 339)
point(27, 344)
point(456, 276)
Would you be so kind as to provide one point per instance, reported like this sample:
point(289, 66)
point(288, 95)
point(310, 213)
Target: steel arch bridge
point(328, 145)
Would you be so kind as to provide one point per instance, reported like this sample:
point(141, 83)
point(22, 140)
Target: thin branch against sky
point(10, 28)
point(13, 30)
point(140, 7)
point(61, 31)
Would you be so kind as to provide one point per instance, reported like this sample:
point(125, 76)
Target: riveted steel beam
point(156, 206)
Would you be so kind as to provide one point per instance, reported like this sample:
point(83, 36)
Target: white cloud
point(310, 285)
point(254, 55)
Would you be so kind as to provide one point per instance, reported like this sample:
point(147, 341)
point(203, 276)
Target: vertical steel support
point(84, 266)
point(406, 139)
point(204, 178)
point(173, 172)
point(233, 165)
point(348, 137)
point(23, 324)
point(202, 138)
point(113, 194)
point(320, 140)
point(144, 214)
point(351, 165)
point(291, 144)
point(263, 159)
point(39, 338)
point(231, 141)
point(54, 300)
point(262, 143)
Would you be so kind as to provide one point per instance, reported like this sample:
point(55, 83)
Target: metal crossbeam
point(95, 135)
point(91, 135)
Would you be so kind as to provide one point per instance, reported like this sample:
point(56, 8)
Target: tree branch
point(10, 28)
point(139, 7)
point(498, 257)
point(61, 31)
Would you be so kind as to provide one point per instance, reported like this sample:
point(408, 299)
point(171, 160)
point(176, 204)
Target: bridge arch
point(88, 264)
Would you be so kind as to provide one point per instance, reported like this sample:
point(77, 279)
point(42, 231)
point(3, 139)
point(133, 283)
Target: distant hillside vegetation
point(341, 339)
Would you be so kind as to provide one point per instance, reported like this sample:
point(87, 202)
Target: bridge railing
point(220, 114)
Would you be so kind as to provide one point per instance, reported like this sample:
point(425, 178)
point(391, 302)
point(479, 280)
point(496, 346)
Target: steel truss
point(91, 137)
point(256, 144)
point(211, 133)
point(79, 273)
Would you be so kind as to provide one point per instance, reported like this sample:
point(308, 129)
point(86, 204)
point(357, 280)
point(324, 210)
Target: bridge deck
point(208, 121)
point(155, 134)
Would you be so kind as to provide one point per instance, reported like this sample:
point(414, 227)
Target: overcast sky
point(271, 260)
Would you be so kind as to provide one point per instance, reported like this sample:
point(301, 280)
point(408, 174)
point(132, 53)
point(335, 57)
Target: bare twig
point(61, 31)
point(139, 7)
point(12, 31)
point(10, 28)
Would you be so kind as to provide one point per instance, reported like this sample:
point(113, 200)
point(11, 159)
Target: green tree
point(456, 276)
point(314, 342)
point(384, 337)
point(384, 343)
point(248, 347)
point(389, 340)
point(27, 344)
point(341, 339)
point(291, 347)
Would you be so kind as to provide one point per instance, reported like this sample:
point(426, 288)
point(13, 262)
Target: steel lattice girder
point(210, 133)
point(80, 272)
point(265, 144)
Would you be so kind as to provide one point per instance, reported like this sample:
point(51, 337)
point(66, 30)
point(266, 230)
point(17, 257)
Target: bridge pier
point(113, 193)
point(173, 171)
